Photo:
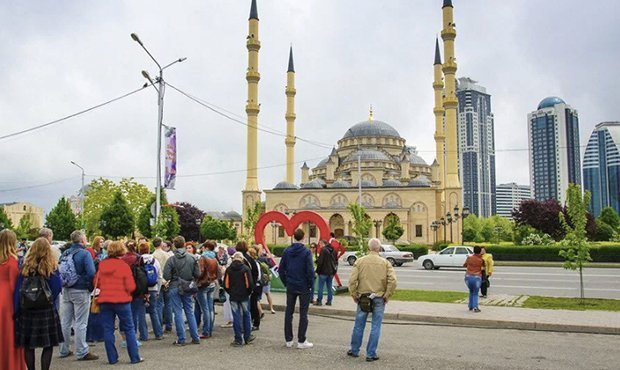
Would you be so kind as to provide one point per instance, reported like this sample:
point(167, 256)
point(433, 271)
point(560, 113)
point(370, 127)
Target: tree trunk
point(581, 283)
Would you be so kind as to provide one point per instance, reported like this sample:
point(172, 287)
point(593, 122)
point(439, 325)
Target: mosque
point(372, 163)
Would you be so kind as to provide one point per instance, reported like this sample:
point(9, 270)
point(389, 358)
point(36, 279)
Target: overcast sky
point(64, 56)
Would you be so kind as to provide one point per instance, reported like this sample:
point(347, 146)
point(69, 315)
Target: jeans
point(183, 303)
point(304, 302)
point(164, 308)
point(204, 298)
point(325, 279)
point(375, 328)
point(109, 311)
point(473, 283)
point(74, 310)
point(153, 312)
point(94, 331)
point(241, 316)
point(138, 312)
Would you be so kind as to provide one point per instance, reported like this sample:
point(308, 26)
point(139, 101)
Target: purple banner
point(171, 158)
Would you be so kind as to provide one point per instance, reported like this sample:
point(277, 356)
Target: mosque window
point(418, 231)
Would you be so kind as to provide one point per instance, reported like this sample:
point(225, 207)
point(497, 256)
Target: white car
point(453, 256)
point(388, 251)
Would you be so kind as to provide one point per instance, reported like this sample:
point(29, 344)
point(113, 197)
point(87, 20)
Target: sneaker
point(476, 309)
point(483, 296)
point(318, 303)
point(227, 325)
point(350, 353)
point(236, 344)
point(371, 359)
point(205, 336)
point(262, 315)
point(194, 341)
point(168, 330)
point(289, 344)
point(139, 360)
point(179, 344)
point(273, 312)
point(250, 339)
point(255, 328)
point(70, 353)
point(124, 344)
point(328, 304)
point(89, 357)
point(304, 345)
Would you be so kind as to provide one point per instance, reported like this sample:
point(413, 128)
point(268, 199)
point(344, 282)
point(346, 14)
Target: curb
point(469, 322)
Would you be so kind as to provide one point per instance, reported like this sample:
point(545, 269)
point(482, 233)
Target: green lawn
point(553, 264)
point(556, 303)
point(428, 296)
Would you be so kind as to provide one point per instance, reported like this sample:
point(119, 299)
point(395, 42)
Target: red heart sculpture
point(289, 225)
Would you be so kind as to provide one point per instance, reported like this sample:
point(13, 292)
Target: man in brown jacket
point(372, 283)
point(209, 273)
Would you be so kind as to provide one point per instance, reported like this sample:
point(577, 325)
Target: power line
point(71, 115)
point(39, 185)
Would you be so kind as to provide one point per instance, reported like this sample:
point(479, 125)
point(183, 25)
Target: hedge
point(549, 253)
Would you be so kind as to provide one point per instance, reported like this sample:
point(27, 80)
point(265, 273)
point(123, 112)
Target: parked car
point(388, 251)
point(453, 256)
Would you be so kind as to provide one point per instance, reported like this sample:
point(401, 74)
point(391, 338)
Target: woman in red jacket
point(115, 284)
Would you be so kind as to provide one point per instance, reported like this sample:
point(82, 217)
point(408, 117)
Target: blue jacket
point(296, 269)
point(84, 266)
point(54, 282)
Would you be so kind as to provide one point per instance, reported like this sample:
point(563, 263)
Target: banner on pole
point(171, 158)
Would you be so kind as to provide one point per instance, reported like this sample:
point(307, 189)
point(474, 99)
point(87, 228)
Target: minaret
point(290, 119)
point(440, 136)
point(251, 193)
point(450, 103)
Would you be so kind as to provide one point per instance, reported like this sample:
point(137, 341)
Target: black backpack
point(139, 276)
point(35, 293)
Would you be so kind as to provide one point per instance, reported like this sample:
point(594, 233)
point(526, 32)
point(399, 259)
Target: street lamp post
point(198, 222)
point(81, 194)
point(449, 220)
point(273, 231)
point(160, 117)
point(434, 227)
point(442, 222)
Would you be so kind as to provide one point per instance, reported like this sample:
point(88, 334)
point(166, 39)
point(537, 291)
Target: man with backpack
point(181, 270)
point(239, 284)
point(154, 275)
point(209, 274)
point(138, 309)
point(77, 270)
point(326, 266)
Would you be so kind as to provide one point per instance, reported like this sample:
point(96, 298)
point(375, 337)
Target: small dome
point(416, 159)
point(341, 184)
point(368, 184)
point(283, 185)
point(366, 154)
point(314, 184)
point(232, 215)
point(420, 181)
point(371, 128)
point(322, 163)
point(391, 183)
point(550, 102)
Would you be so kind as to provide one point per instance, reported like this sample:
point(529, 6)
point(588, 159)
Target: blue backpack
point(151, 274)
point(66, 268)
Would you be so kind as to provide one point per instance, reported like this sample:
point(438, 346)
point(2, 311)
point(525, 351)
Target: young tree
point(487, 231)
point(5, 221)
point(252, 215)
point(215, 229)
point(577, 253)
point(190, 219)
point(25, 227)
point(361, 226)
point(610, 217)
point(393, 230)
point(61, 219)
point(167, 225)
point(116, 219)
point(471, 228)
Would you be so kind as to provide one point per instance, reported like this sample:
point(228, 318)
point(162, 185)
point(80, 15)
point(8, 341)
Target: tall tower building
point(251, 192)
point(601, 167)
point(509, 196)
point(476, 147)
point(553, 133)
point(290, 120)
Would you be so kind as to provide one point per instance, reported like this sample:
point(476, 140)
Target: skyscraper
point(601, 167)
point(476, 147)
point(553, 133)
point(509, 196)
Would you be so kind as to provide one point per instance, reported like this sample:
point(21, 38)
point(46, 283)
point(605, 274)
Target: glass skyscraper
point(476, 139)
point(601, 167)
point(553, 132)
point(509, 197)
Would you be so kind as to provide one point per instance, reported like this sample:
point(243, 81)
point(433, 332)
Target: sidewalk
point(594, 322)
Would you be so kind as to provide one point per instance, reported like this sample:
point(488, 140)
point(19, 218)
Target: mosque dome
point(420, 181)
point(550, 101)
point(314, 184)
point(372, 128)
point(341, 184)
point(416, 159)
point(283, 185)
point(366, 154)
point(391, 183)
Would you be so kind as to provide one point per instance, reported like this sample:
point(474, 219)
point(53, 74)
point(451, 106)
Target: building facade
point(601, 167)
point(16, 210)
point(509, 196)
point(553, 133)
point(476, 147)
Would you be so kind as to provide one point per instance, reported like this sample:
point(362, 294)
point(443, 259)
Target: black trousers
point(254, 306)
point(485, 284)
point(304, 303)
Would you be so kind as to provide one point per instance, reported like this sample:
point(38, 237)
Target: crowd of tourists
point(85, 293)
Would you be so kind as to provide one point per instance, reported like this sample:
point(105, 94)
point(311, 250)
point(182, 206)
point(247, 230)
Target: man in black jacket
point(326, 267)
point(257, 290)
point(239, 285)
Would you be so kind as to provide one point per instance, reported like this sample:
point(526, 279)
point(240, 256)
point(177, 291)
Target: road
point(402, 346)
point(544, 281)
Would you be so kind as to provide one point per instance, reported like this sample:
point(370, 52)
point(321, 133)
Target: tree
point(116, 219)
point(215, 229)
point(604, 232)
point(252, 214)
point(188, 214)
point(471, 228)
point(361, 226)
point(610, 217)
point(26, 229)
point(487, 231)
point(577, 253)
point(5, 221)
point(393, 230)
point(541, 215)
point(167, 225)
point(502, 229)
point(61, 219)
point(520, 232)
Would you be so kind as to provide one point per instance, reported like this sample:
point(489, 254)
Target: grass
point(556, 303)
point(428, 296)
point(554, 264)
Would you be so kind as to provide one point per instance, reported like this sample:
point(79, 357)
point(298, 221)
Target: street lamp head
point(73, 163)
point(456, 210)
point(182, 59)
point(136, 39)
point(465, 212)
point(146, 75)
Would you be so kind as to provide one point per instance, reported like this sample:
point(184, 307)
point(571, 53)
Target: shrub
point(439, 245)
point(537, 239)
point(549, 253)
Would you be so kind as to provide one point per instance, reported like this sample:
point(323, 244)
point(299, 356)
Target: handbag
point(222, 295)
point(366, 303)
point(186, 287)
point(94, 305)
